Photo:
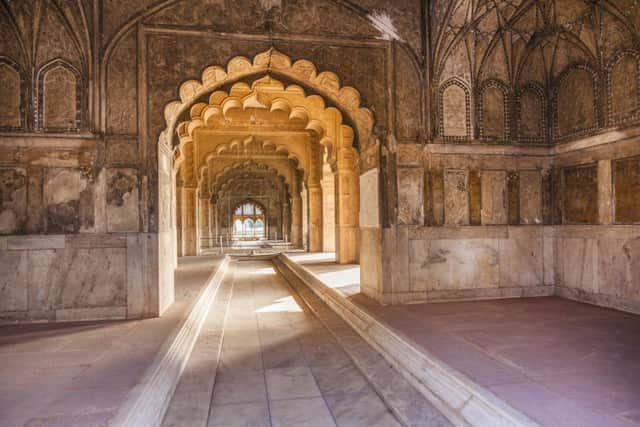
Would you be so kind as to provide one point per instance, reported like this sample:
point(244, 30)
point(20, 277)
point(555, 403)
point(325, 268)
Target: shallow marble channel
point(279, 365)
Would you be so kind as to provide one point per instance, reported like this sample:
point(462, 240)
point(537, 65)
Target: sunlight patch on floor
point(283, 305)
point(263, 271)
point(313, 257)
point(341, 277)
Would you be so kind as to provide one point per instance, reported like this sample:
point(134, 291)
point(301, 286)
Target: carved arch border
point(39, 99)
point(612, 120)
point(454, 81)
point(506, 113)
point(222, 102)
point(23, 102)
point(325, 83)
point(535, 87)
point(555, 90)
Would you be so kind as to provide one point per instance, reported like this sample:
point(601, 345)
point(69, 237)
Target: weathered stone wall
point(81, 111)
point(485, 208)
point(478, 187)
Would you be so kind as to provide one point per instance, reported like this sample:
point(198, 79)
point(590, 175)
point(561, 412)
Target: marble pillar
point(315, 217)
point(203, 223)
point(328, 209)
point(179, 219)
point(213, 224)
point(348, 208)
point(286, 215)
point(347, 229)
point(189, 243)
point(296, 221)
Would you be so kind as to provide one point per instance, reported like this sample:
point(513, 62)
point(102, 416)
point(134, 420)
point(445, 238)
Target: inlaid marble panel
point(494, 197)
point(530, 197)
point(454, 264)
point(77, 278)
point(13, 280)
point(456, 197)
point(410, 196)
point(122, 200)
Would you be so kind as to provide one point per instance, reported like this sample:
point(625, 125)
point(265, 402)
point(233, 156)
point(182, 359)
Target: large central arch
point(332, 113)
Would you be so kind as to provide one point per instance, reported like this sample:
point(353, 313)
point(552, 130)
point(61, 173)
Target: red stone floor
point(561, 362)
point(79, 373)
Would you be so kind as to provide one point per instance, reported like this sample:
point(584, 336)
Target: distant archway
point(249, 219)
point(332, 115)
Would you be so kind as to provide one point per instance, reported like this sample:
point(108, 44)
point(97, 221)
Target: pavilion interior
point(355, 212)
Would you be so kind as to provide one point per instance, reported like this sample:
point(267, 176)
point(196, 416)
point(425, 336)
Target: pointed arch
point(62, 81)
point(13, 95)
point(454, 110)
point(575, 102)
point(494, 100)
point(531, 113)
point(623, 88)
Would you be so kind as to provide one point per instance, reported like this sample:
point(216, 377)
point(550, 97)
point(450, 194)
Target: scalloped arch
point(303, 71)
point(269, 94)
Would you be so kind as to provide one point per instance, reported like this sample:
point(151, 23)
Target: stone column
point(286, 230)
point(179, 219)
point(203, 223)
point(328, 209)
point(296, 213)
point(189, 247)
point(304, 195)
point(296, 220)
point(213, 226)
point(315, 217)
point(348, 204)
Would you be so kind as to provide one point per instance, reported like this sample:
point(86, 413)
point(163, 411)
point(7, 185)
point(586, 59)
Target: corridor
point(279, 365)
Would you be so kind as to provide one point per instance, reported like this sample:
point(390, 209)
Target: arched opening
point(249, 218)
point(243, 134)
point(263, 131)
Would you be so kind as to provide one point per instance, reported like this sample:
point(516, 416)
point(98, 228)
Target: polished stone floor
point(279, 365)
point(78, 374)
point(558, 361)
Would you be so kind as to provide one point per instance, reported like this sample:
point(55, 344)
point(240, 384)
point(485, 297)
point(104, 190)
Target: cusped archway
point(272, 86)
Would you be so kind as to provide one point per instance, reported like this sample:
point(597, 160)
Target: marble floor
point(78, 374)
point(558, 361)
point(279, 365)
